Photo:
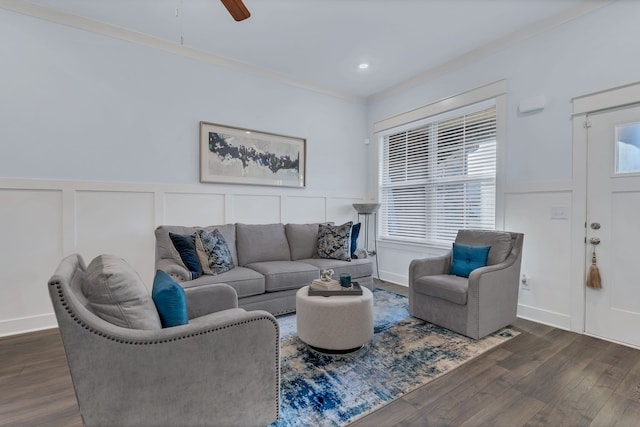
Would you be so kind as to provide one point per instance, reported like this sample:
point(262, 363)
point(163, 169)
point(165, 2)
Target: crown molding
point(90, 25)
point(521, 35)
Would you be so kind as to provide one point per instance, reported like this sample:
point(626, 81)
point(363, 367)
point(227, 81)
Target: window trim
point(494, 92)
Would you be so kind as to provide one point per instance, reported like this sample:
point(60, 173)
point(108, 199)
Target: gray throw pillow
point(213, 252)
point(334, 241)
point(115, 293)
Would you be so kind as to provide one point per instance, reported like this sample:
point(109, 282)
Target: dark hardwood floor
point(543, 377)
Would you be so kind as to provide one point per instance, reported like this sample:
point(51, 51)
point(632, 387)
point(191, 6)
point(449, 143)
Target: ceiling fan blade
point(237, 9)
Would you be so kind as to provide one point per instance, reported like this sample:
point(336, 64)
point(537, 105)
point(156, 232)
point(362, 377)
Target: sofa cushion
point(281, 275)
point(445, 286)
point(303, 240)
point(185, 244)
point(334, 241)
point(165, 248)
point(213, 252)
point(115, 293)
point(245, 281)
point(356, 267)
point(465, 258)
point(261, 242)
point(500, 242)
point(170, 300)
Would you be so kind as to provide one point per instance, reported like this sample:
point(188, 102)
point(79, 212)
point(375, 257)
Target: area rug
point(405, 353)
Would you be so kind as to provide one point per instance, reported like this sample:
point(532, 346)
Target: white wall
point(591, 53)
point(79, 105)
point(99, 141)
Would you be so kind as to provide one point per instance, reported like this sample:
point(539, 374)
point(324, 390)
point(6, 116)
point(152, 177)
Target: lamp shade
point(366, 208)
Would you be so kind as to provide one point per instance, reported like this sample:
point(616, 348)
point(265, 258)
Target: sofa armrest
point(429, 266)
point(496, 277)
point(206, 299)
point(493, 292)
point(173, 269)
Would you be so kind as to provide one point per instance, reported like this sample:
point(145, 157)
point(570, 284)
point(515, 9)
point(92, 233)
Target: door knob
point(595, 226)
point(594, 241)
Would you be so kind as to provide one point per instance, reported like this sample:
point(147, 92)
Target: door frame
point(583, 105)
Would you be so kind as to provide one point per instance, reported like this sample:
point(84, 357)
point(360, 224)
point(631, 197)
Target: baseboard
point(27, 324)
point(546, 317)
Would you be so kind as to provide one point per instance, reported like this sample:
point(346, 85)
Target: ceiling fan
point(237, 9)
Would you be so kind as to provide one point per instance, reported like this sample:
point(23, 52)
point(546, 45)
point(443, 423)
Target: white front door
point(613, 217)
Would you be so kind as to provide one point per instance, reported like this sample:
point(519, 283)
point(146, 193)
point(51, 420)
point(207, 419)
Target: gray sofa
point(222, 368)
point(272, 261)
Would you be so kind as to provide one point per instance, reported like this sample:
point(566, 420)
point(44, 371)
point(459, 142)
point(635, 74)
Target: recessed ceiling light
point(363, 65)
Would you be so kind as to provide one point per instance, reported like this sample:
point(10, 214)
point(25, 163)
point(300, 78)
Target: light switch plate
point(559, 212)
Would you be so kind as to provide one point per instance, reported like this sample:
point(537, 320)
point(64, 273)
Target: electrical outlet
point(524, 282)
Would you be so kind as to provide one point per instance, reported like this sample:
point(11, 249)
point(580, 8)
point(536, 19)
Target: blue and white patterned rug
point(405, 353)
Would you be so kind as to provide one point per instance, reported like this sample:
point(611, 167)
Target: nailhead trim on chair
point(75, 318)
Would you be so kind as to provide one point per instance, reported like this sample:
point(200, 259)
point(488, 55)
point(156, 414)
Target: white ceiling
point(321, 42)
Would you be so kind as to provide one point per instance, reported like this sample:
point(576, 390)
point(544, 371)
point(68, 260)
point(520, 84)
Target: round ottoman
point(335, 324)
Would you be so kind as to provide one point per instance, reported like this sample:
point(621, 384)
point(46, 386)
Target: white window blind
point(439, 176)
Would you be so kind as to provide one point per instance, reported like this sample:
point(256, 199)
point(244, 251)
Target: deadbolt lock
point(595, 226)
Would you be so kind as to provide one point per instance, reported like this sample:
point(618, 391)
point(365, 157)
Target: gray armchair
point(479, 305)
point(222, 368)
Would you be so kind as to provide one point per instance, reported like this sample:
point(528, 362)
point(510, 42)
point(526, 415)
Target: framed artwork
point(233, 155)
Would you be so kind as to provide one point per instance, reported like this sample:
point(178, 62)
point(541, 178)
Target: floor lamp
point(369, 211)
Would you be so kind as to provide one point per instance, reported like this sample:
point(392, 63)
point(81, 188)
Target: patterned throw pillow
point(213, 252)
point(334, 241)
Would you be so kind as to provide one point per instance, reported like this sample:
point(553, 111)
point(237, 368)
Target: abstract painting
point(244, 156)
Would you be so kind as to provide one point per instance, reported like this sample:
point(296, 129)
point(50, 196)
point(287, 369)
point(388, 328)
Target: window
point(438, 175)
point(627, 148)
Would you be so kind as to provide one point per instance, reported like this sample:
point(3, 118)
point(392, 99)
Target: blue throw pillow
point(186, 247)
point(170, 300)
point(355, 232)
point(466, 258)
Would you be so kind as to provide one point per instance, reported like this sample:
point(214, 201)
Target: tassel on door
point(594, 280)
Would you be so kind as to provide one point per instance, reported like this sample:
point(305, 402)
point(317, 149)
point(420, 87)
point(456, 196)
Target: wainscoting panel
point(394, 259)
point(119, 223)
point(303, 210)
point(41, 221)
point(194, 209)
point(544, 218)
point(256, 209)
point(31, 228)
